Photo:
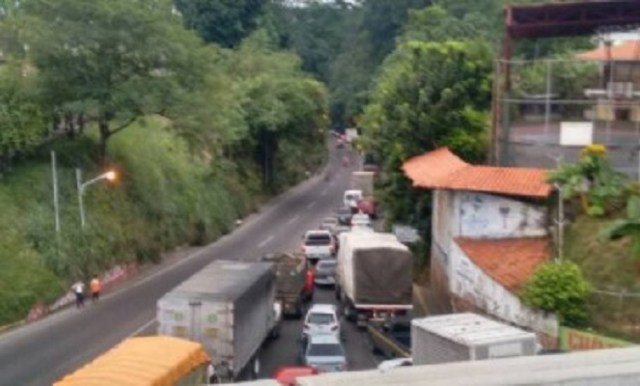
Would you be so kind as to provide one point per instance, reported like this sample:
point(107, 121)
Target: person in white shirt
point(78, 290)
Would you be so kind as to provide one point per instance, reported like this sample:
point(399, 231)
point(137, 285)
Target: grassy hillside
point(165, 196)
point(608, 266)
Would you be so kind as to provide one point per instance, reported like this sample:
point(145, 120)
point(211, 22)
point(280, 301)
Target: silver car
point(325, 353)
point(325, 272)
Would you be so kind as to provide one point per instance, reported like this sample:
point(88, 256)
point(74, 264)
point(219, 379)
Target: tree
point(118, 60)
point(427, 95)
point(559, 288)
point(224, 22)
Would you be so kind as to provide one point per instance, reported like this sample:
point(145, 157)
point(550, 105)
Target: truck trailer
point(467, 337)
point(228, 307)
point(373, 276)
point(292, 289)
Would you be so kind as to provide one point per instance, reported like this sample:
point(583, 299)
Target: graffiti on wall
point(488, 216)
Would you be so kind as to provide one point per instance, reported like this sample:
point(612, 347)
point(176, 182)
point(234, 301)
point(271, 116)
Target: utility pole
point(560, 219)
point(56, 207)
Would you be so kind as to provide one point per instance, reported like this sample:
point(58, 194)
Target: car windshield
point(320, 318)
point(318, 239)
point(325, 350)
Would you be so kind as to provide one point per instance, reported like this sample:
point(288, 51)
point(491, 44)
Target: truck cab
point(351, 198)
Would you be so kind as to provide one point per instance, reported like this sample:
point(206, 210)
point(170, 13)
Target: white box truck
point(467, 337)
point(373, 276)
point(228, 307)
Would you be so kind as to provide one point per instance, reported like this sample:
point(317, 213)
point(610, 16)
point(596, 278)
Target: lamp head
point(110, 175)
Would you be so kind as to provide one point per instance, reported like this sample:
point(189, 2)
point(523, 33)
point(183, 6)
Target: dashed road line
point(265, 241)
point(311, 204)
point(292, 219)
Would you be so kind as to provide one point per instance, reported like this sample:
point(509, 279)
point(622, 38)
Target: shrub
point(559, 287)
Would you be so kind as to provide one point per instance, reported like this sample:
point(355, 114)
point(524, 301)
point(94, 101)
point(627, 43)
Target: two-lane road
point(42, 352)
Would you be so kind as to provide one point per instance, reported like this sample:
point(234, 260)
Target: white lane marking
point(324, 192)
point(311, 204)
point(292, 219)
point(265, 241)
point(142, 328)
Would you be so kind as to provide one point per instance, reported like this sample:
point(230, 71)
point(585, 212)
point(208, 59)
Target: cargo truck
point(364, 182)
point(228, 307)
point(373, 276)
point(292, 291)
point(467, 337)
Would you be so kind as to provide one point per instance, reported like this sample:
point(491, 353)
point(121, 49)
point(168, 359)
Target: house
point(489, 233)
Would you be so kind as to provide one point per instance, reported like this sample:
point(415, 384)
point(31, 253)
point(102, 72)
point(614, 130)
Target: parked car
point(344, 215)
point(326, 272)
point(322, 319)
point(395, 363)
point(325, 353)
point(287, 375)
point(318, 244)
point(329, 224)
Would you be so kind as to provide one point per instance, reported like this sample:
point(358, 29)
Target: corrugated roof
point(441, 169)
point(510, 262)
point(144, 361)
point(628, 51)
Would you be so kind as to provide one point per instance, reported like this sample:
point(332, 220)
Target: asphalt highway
point(42, 352)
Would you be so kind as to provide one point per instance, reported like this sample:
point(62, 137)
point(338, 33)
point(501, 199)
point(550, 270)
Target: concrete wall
point(471, 284)
point(488, 216)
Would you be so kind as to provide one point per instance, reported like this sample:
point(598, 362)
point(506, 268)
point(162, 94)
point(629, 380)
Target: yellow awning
point(145, 361)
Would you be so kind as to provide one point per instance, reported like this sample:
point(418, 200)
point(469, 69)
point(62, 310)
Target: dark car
point(344, 215)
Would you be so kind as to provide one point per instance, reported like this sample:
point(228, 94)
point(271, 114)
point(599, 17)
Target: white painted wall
point(482, 215)
point(470, 282)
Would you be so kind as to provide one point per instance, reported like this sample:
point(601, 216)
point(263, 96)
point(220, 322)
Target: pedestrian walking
point(96, 288)
point(78, 290)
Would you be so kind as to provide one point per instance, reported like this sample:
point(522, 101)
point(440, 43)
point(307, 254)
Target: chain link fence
point(617, 310)
point(539, 97)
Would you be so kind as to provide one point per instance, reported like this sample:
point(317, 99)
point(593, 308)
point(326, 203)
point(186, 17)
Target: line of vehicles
point(232, 308)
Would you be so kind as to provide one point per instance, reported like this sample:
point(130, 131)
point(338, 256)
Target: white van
point(351, 198)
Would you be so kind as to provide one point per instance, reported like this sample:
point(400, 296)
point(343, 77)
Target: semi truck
point(293, 289)
point(467, 337)
point(228, 307)
point(373, 276)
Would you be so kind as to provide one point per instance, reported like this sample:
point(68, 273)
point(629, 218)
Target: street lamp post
point(110, 176)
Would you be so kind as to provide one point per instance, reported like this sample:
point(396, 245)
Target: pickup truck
point(391, 338)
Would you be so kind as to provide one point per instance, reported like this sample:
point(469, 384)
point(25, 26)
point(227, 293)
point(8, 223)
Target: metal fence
point(535, 101)
point(619, 308)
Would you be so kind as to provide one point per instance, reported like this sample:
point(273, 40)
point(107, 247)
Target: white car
point(318, 244)
point(325, 353)
point(322, 319)
point(361, 220)
point(395, 363)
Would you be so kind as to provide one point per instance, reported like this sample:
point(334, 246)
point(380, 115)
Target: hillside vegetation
point(199, 135)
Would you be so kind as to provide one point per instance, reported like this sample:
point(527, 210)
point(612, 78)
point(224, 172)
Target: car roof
point(326, 261)
point(322, 308)
point(318, 232)
point(324, 339)
point(353, 191)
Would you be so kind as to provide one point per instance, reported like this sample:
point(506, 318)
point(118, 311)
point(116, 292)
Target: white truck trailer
point(467, 337)
point(373, 276)
point(228, 307)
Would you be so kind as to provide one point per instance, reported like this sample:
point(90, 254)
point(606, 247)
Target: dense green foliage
point(559, 288)
point(199, 135)
point(628, 226)
point(225, 22)
point(428, 95)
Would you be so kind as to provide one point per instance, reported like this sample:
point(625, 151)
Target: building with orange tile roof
point(489, 234)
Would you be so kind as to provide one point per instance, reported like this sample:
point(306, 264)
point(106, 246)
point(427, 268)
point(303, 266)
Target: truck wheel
point(337, 292)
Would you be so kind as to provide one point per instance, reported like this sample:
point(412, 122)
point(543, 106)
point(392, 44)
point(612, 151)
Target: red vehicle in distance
point(287, 375)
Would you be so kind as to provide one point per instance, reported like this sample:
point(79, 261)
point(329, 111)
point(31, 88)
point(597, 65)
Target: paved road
point(42, 352)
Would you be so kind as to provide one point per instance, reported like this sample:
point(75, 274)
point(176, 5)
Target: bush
point(559, 288)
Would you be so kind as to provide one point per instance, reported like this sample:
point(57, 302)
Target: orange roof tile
point(510, 262)
point(626, 51)
point(441, 169)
